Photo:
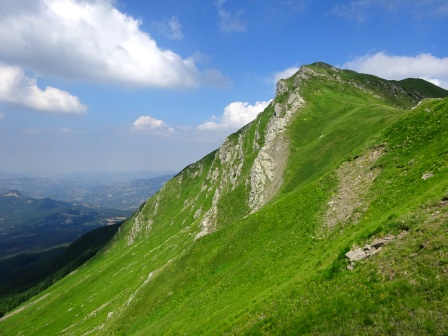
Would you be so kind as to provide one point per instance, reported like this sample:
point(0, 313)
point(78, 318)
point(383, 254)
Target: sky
point(126, 85)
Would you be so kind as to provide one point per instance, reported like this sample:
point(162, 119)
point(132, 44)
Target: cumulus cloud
point(285, 74)
point(91, 41)
point(230, 21)
point(235, 116)
point(424, 66)
point(19, 89)
point(152, 125)
point(172, 29)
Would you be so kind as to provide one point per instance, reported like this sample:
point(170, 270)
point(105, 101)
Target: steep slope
point(252, 238)
point(26, 275)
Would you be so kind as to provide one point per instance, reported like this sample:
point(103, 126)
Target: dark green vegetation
point(26, 275)
point(34, 225)
point(199, 258)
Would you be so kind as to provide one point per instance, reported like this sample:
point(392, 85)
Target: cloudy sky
point(104, 85)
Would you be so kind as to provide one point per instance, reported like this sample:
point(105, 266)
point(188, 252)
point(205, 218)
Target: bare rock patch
point(355, 179)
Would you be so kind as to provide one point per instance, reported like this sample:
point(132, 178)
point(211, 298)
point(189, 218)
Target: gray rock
point(367, 247)
point(281, 87)
point(370, 249)
point(427, 176)
point(291, 98)
point(278, 110)
point(382, 241)
point(356, 255)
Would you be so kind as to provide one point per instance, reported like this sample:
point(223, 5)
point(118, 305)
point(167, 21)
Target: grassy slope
point(273, 272)
point(26, 275)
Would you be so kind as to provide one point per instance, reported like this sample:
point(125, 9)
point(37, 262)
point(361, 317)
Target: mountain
point(327, 214)
point(33, 225)
point(108, 190)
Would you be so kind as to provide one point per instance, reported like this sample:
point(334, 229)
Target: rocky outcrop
point(136, 228)
point(281, 87)
point(267, 169)
point(223, 175)
point(370, 249)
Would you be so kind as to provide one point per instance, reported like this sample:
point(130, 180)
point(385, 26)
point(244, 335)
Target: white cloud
point(235, 116)
point(90, 41)
point(425, 66)
point(285, 74)
point(152, 125)
point(19, 89)
point(172, 29)
point(230, 21)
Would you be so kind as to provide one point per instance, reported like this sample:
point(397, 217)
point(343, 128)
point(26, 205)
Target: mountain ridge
point(236, 243)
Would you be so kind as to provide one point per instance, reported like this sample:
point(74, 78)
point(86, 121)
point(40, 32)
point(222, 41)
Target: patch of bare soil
point(355, 179)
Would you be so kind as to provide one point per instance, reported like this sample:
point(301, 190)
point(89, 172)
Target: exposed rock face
point(208, 222)
point(281, 87)
point(136, 228)
point(267, 170)
point(224, 174)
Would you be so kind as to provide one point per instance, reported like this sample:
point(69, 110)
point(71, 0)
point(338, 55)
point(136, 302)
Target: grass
point(273, 272)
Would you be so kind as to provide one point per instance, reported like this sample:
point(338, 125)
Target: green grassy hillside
point(26, 275)
point(251, 239)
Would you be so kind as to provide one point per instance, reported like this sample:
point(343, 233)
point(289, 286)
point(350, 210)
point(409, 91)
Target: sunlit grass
point(274, 271)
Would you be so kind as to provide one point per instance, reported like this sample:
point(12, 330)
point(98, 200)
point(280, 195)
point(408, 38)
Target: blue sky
point(102, 85)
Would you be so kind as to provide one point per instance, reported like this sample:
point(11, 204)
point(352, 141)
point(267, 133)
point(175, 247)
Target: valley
point(30, 225)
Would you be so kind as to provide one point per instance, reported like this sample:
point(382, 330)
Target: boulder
point(356, 255)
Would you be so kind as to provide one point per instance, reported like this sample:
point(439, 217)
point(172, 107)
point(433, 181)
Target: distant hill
point(326, 215)
point(108, 190)
point(33, 225)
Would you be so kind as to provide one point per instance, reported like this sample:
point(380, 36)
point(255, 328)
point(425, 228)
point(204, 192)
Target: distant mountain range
point(30, 224)
point(108, 190)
